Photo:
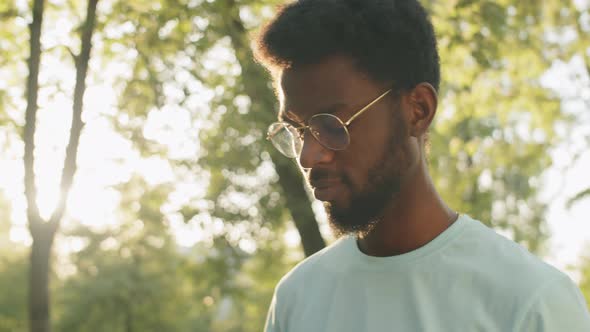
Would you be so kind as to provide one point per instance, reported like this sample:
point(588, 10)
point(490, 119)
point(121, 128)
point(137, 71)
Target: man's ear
point(423, 101)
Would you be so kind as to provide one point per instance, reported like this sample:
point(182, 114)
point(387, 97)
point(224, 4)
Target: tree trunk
point(43, 233)
point(40, 250)
point(263, 99)
point(39, 279)
point(300, 207)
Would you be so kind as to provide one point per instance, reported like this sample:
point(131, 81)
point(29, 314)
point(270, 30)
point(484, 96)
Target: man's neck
point(415, 217)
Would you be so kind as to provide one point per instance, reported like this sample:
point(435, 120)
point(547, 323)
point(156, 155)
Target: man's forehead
point(300, 94)
point(298, 106)
point(323, 77)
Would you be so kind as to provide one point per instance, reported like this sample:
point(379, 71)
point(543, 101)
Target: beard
point(384, 181)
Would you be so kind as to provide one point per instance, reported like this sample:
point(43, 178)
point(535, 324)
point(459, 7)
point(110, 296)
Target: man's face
point(358, 183)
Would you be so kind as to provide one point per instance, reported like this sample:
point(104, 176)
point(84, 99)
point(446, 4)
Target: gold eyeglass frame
point(345, 125)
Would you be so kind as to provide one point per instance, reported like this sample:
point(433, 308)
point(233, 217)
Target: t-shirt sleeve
point(558, 306)
point(272, 321)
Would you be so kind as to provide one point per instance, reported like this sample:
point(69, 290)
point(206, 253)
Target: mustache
point(318, 174)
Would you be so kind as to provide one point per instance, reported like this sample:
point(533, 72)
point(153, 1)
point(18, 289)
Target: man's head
point(336, 56)
point(389, 40)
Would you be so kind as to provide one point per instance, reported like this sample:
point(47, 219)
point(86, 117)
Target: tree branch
point(155, 83)
point(62, 46)
point(31, 118)
point(69, 168)
point(578, 197)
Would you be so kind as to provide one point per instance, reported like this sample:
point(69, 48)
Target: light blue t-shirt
point(467, 279)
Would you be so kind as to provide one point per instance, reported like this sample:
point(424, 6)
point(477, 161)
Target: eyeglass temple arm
point(366, 107)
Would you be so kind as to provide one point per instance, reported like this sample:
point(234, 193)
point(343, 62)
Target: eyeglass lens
point(327, 129)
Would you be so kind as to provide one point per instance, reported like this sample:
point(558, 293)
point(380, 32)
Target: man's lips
point(326, 189)
point(324, 183)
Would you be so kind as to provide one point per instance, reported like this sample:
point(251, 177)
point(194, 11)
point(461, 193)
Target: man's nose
point(313, 153)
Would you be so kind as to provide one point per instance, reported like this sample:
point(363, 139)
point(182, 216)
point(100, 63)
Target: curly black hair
point(392, 41)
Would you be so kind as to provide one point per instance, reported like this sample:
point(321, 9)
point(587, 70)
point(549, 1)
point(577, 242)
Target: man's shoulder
point(506, 261)
point(543, 298)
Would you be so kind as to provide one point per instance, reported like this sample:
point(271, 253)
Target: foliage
point(13, 272)
point(13, 302)
point(135, 278)
point(128, 279)
point(584, 269)
point(13, 34)
point(497, 122)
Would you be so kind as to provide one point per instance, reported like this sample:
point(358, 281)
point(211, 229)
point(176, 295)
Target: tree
point(42, 231)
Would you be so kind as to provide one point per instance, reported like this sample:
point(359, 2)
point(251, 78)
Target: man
point(357, 82)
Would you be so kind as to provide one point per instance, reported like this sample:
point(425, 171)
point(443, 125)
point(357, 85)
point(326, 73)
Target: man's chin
point(344, 221)
point(361, 213)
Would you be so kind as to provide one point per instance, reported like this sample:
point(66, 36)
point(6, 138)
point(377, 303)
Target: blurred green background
point(178, 215)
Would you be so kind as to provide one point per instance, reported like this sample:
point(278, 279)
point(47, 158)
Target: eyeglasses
point(326, 128)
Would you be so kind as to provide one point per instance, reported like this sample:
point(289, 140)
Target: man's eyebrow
point(333, 108)
point(289, 116)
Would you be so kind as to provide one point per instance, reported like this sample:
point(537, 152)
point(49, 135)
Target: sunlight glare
point(292, 238)
point(185, 234)
point(50, 141)
point(20, 234)
point(156, 171)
